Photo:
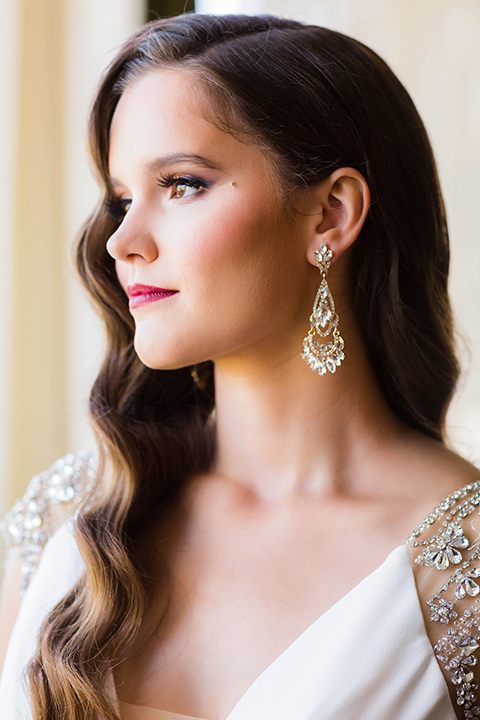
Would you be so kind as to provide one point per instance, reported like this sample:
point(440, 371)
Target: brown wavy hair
point(316, 101)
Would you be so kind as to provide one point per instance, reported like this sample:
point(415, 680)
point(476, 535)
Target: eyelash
point(192, 181)
point(115, 206)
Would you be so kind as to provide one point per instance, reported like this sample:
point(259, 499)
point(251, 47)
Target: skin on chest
point(244, 585)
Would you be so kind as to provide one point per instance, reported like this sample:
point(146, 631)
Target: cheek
point(243, 265)
point(226, 265)
point(235, 236)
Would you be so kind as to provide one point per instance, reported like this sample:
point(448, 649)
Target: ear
point(338, 208)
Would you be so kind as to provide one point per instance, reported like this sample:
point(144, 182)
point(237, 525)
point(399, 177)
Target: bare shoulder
point(435, 472)
point(451, 505)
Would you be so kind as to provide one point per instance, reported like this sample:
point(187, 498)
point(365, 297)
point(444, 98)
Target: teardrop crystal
point(440, 560)
point(471, 587)
point(469, 645)
point(459, 542)
point(454, 555)
point(331, 364)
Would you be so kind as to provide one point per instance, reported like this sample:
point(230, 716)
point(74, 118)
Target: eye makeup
point(181, 183)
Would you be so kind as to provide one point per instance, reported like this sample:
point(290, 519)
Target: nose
point(132, 240)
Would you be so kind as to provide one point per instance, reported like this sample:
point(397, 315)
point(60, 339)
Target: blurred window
point(166, 8)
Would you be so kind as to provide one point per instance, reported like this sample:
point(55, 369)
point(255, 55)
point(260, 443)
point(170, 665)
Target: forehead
point(163, 113)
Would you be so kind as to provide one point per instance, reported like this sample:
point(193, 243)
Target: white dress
point(367, 658)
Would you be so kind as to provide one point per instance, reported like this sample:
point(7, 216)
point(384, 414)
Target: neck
point(283, 430)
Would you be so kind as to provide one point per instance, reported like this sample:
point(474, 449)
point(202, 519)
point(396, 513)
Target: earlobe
point(345, 201)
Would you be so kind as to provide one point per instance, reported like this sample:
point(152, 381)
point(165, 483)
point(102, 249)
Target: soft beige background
point(51, 53)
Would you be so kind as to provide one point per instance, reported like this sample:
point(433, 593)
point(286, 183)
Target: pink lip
point(145, 294)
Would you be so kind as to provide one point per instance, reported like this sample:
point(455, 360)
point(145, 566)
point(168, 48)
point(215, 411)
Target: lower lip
point(147, 298)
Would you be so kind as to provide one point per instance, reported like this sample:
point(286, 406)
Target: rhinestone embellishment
point(323, 356)
point(27, 527)
point(446, 550)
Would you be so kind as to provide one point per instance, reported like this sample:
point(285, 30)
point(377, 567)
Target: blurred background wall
point(51, 53)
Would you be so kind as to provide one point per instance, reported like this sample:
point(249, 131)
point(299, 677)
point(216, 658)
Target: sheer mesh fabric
point(445, 553)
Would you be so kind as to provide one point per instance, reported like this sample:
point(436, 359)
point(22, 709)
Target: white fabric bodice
point(137, 712)
point(367, 658)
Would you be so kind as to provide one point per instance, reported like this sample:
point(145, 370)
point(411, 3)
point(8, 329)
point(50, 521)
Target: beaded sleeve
point(28, 526)
point(445, 550)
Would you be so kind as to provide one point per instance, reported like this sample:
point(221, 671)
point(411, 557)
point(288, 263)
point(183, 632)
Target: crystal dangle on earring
point(323, 322)
point(200, 375)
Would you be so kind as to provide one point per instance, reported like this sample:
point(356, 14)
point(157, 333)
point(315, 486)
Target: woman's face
point(204, 224)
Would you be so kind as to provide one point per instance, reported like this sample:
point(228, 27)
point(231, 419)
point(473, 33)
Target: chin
point(149, 354)
point(153, 361)
point(156, 357)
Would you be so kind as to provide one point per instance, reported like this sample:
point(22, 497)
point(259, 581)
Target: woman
point(240, 549)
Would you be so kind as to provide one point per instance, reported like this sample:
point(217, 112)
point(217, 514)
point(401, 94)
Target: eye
point(118, 207)
point(184, 186)
point(183, 189)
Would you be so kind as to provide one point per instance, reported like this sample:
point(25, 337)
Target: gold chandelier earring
point(323, 356)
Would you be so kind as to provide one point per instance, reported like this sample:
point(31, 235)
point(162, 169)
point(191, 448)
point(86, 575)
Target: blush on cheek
point(238, 236)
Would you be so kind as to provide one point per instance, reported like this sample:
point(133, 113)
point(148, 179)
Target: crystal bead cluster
point(451, 545)
point(323, 356)
point(27, 527)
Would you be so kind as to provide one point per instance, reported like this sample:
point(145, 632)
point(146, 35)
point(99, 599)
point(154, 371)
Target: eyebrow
point(158, 164)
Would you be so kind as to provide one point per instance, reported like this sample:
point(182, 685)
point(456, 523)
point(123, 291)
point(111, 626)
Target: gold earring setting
point(323, 356)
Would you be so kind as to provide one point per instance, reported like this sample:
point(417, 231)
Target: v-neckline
point(155, 713)
point(314, 625)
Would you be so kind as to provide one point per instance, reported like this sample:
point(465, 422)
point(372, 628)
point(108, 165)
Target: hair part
point(317, 101)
